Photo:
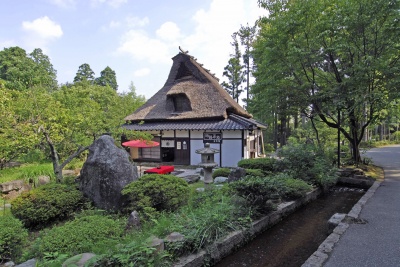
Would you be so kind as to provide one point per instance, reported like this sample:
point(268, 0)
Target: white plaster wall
point(196, 158)
point(168, 134)
point(231, 152)
point(232, 134)
point(182, 133)
point(196, 134)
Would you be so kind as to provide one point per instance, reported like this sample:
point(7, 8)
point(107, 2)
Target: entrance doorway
point(182, 151)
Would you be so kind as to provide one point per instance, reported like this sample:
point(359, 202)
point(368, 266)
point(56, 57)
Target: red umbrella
point(140, 143)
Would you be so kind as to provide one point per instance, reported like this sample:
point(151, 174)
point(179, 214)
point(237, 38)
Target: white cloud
point(44, 27)
point(63, 3)
point(40, 32)
point(140, 46)
point(112, 3)
point(6, 43)
point(133, 22)
point(142, 72)
point(169, 31)
point(210, 42)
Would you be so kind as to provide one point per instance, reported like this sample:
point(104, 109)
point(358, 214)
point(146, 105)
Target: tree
point(16, 69)
point(16, 135)
point(234, 72)
point(45, 74)
point(84, 74)
point(247, 35)
point(107, 78)
point(341, 70)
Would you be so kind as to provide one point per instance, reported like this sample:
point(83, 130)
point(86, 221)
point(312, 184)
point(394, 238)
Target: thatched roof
point(190, 92)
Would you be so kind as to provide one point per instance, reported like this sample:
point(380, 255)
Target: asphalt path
point(376, 242)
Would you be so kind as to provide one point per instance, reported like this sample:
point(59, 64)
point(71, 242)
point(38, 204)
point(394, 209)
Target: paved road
point(376, 243)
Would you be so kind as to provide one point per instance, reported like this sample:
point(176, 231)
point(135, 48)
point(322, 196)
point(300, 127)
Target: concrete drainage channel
point(342, 222)
point(269, 241)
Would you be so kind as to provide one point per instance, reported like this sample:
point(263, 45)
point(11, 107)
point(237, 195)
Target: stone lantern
point(207, 161)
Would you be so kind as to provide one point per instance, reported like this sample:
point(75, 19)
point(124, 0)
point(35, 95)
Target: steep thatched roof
point(190, 92)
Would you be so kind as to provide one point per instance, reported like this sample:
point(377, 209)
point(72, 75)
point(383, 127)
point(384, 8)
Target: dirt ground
point(292, 241)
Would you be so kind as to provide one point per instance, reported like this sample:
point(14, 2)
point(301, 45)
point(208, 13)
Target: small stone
point(200, 189)
point(29, 263)
point(133, 221)
point(174, 237)
point(78, 260)
point(236, 174)
point(191, 178)
point(220, 180)
point(158, 244)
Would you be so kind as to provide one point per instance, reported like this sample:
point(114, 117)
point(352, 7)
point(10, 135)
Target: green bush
point(12, 238)
point(257, 191)
point(92, 233)
point(267, 165)
point(290, 188)
point(43, 205)
point(255, 172)
point(154, 193)
point(224, 172)
point(308, 164)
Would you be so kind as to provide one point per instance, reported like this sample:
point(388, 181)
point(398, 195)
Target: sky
point(137, 39)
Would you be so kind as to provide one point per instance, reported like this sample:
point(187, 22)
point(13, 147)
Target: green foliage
point(34, 156)
point(107, 78)
point(309, 164)
point(46, 204)
point(224, 172)
point(154, 192)
point(94, 233)
point(27, 172)
point(255, 172)
point(84, 74)
point(267, 165)
point(257, 192)
point(348, 60)
point(13, 237)
point(210, 216)
point(290, 188)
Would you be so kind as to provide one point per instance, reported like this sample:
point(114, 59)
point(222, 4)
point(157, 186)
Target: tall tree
point(107, 77)
point(247, 35)
point(84, 74)
point(332, 58)
point(16, 68)
point(45, 74)
point(234, 71)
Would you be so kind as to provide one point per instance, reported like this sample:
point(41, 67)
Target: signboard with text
point(212, 138)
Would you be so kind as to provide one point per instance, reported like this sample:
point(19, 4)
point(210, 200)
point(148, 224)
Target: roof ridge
point(198, 63)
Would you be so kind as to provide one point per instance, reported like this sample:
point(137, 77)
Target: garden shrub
point(308, 164)
point(224, 172)
point(45, 204)
point(257, 191)
point(12, 238)
point(267, 165)
point(93, 233)
point(290, 188)
point(255, 172)
point(154, 193)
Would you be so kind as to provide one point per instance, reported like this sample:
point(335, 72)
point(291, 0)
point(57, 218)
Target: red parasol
point(140, 143)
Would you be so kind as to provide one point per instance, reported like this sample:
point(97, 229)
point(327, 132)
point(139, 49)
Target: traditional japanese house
point(192, 109)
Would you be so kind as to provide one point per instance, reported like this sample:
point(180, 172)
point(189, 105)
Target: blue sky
point(137, 39)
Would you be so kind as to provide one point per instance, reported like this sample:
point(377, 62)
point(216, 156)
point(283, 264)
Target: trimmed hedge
point(267, 165)
point(154, 193)
point(224, 172)
point(255, 172)
point(88, 233)
point(13, 236)
point(43, 205)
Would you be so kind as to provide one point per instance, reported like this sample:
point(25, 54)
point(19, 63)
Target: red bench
point(161, 170)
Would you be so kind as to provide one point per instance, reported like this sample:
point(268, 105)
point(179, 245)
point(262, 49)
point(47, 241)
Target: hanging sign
point(212, 138)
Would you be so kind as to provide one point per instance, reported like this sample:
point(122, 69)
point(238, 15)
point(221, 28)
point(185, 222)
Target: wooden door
point(182, 151)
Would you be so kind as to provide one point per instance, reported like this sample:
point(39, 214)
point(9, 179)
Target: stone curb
point(234, 240)
point(319, 257)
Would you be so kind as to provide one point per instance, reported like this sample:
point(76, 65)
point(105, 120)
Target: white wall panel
point(231, 152)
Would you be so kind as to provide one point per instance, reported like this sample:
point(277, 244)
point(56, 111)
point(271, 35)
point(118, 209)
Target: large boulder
point(236, 174)
point(105, 173)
